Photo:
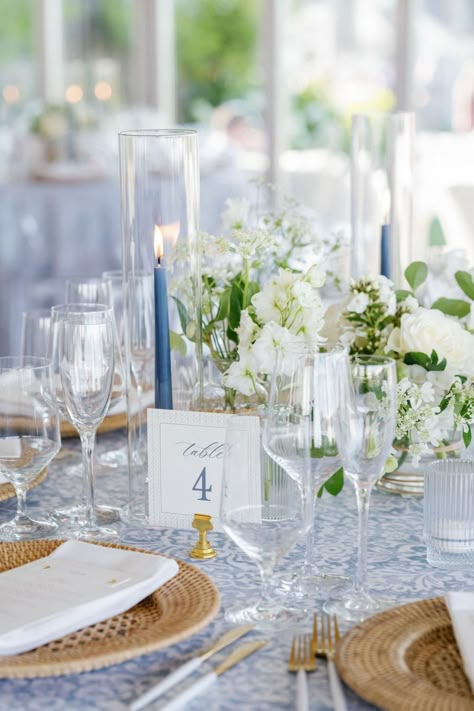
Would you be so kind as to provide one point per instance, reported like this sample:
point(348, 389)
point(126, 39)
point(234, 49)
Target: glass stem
point(265, 595)
point(363, 500)
point(88, 442)
point(20, 503)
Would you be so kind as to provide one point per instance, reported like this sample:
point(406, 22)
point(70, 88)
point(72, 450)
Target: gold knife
point(208, 679)
point(189, 667)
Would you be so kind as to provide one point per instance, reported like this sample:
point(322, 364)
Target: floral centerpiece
point(433, 348)
point(260, 290)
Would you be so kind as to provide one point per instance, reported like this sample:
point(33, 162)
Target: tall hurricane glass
point(365, 432)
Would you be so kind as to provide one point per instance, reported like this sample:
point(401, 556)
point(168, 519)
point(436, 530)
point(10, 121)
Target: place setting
point(236, 467)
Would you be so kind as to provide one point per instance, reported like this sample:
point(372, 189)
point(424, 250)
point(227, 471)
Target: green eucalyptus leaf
point(466, 282)
point(177, 343)
point(452, 307)
point(184, 317)
point(417, 358)
point(401, 294)
point(467, 437)
point(334, 484)
point(415, 274)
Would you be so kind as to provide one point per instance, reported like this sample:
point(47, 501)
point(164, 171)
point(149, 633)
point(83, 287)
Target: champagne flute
point(365, 432)
point(269, 527)
point(87, 343)
point(305, 383)
point(29, 437)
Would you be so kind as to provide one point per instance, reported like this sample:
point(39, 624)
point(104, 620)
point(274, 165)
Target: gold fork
point(324, 644)
point(301, 660)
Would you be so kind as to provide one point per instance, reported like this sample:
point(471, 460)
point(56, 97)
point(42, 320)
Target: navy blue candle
point(385, 250)
point(163, 383)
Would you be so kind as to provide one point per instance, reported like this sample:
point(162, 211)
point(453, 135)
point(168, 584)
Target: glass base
point(75, 513)
point(95, 533)
point(356, 608)
point(27, 528)
point(265, 617)
point(308, 583)
point(115, 458)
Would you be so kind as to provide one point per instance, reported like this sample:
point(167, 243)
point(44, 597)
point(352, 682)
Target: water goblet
point(365, 432)
point(29, 437)
point(35, 332)
point(89, 290)
point(269, 527)
point(305, 383)
point(86, 346)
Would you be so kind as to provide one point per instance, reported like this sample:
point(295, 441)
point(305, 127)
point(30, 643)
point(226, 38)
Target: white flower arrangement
point(433, 348)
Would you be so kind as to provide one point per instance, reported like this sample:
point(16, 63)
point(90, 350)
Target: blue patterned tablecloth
point(397, 567)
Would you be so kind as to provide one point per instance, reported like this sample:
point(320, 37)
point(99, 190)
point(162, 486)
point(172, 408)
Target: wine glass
point(306, 383)
point(117, 457)
point(29, 437)
point(89, 290)
point(267, 528)
point(35, 330)
point(86, 348)
point(365, 432)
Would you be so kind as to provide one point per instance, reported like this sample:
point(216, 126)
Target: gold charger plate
point(406, 659)
point(179, 609)
point(7, 490)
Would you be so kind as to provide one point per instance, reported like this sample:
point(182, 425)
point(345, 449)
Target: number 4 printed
point(200, 485)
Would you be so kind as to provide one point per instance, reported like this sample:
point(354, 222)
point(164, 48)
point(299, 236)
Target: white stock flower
point(272, 338)
point(242, 374)
point(236, 214)
point(316, 275)
point(246, 331)
point(358, 303)
point(428, 329)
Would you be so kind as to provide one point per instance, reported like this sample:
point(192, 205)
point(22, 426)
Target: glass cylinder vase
point(159, 174)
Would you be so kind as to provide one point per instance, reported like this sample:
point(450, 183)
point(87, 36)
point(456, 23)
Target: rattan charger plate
point(406, 659)
point(7, 490)
point(181, 607)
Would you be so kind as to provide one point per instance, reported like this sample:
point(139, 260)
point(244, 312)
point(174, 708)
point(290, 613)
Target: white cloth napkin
point(78, 585)
point(461, 611)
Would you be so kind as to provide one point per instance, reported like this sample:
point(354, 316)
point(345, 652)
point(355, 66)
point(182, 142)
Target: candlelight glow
point(103, 91)
point(74, 93)
point(158, 242)
point(11, 93)
point(168, 233)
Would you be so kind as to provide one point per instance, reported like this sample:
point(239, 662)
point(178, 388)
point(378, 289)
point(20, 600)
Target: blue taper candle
point(163, 382)
point(385, 250)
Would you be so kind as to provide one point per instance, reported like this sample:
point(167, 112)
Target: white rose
point(429, 329)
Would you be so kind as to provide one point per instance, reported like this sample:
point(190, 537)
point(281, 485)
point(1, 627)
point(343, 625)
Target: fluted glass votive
point(449, 513)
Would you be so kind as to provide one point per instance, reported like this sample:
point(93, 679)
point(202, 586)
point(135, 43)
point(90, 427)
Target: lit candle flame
point(158, 243)
point(169, 233)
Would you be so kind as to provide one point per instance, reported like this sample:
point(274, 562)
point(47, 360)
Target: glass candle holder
point(159, 174)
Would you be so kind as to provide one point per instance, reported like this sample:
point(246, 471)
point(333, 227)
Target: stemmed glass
point(35, 331)
point(89, 290)
point(365, 432)
point(86, 348)
point(29, 437)
point(268, 527)
point(307, 382)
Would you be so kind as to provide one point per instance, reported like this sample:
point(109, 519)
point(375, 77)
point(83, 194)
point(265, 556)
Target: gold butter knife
point(189, 667)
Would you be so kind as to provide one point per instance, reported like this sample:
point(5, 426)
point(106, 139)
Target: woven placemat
point(7, 490)
point(181, 607)
point(406, 659)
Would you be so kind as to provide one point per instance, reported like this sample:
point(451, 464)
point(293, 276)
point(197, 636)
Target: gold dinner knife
point(189, 667)
point(208, 679)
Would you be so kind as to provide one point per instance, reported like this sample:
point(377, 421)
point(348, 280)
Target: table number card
point(185, 459)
